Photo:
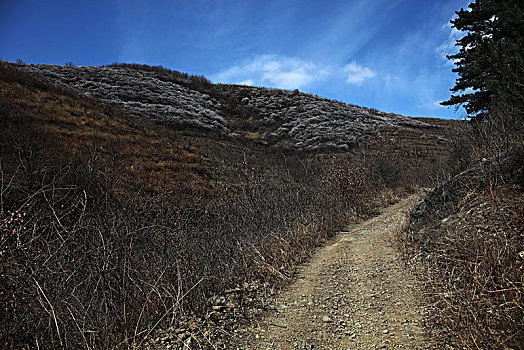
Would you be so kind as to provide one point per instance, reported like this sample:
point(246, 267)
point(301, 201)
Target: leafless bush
point(389, 167)
point(83, 268)
point(501, 131)
point(467, 237)
point(461, 152)
point(71, 263)
point(476, 276)
point(197, 81)
point(10, 73)
point(84, 264)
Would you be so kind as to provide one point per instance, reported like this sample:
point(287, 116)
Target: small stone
point(385, 331)
point(326, 319)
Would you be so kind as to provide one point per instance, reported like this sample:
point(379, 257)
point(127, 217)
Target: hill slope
point(467, 239)
point(272, 117)
point(116, 175)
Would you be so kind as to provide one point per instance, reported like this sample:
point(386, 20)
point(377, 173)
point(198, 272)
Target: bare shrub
point(83, 268)
point(467, 238)
point(499, 133)
point(197, 81)
point(10, 73)
point(87, 263)
point(476, 273)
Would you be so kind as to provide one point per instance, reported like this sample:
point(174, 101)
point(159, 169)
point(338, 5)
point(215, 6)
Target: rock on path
point(355, 293)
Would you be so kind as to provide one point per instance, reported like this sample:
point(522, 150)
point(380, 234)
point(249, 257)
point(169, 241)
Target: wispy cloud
point(291, 72)
point(357, 74)
point(433, 105)
point(448, 47)
point(275, 71)
point(247, 82)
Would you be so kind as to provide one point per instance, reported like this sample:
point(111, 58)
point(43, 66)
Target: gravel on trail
point(355, 293)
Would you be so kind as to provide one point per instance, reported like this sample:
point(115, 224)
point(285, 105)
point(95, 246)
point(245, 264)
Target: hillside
point(272, 117)
point(466, 238)
point(133, 197)
point(170, 128)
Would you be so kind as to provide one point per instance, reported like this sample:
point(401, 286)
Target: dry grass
point(83, 126)
point(478, 272)
point(468, 240)
point(112, 227)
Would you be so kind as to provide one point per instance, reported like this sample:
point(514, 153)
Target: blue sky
point(384, 54)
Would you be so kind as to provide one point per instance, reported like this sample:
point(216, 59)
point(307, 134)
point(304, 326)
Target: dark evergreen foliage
point(490, 62)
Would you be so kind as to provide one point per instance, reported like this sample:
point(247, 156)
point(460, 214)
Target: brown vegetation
point(468, 241)
point(197, 81)
point(111, 227)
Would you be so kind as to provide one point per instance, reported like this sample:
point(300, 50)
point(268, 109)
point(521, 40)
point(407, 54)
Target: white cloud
point(434, 105)
point(448, 47)
point(293, 73)
point(247, 82)
point(389, 79)
point(275, 71)
point(357, 74)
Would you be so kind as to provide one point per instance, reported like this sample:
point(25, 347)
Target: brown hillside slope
point(467, 237)
point(121, 225)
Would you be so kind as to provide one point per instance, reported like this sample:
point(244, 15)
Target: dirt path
point(353, 294)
